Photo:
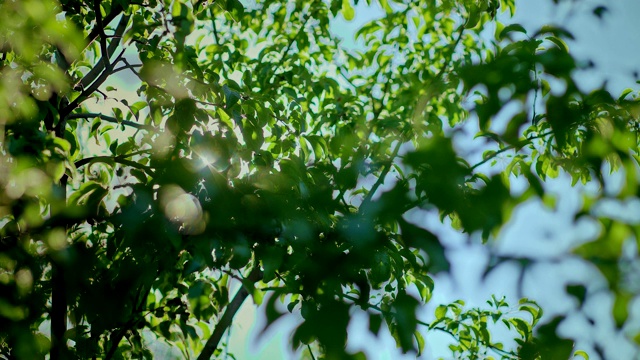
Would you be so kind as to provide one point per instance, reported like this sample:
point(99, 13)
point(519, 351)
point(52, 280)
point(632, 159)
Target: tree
point(260, 153)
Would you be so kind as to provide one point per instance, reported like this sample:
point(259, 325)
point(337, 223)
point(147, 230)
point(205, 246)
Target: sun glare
point(207, 159)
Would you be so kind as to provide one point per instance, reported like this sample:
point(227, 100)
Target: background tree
point(259, 152)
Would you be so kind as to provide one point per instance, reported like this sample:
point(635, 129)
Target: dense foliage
point(157, 154)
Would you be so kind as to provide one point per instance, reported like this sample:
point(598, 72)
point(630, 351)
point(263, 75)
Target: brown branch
point(93, 74)
point(58, 312)
point(58, 282)
point(120, 159)
point(115, 341)
point(115, 11)
point(224, 323)
point(101, 34)
point(126, 327)
point(90, 90)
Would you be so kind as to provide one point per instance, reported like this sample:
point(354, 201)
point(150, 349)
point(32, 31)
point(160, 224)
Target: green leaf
point(624, 94)
point(578, 291)
point(559, 43)
point(420, 342)
point(557, 31)
point(582, 354)
point(404, 308)
point(347, 10)
point(441, 311)
point(620, 308)
point(421, 238)
point(375, 321)
point(231, 96)
point(511, 28)
point(599, 11)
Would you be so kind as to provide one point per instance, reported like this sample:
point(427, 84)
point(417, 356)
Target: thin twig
point(90, 90)
point(377, 112)
point(208, 103)
point(121, 159)
point(132, 67)
point(381, 178)
point(452, 51)
point(423, 323)
point(93, 74)
point(115, 11)
point(111, 120)
point(518, 146)
point(347, 79)
point(294, 38)
point(313, 357)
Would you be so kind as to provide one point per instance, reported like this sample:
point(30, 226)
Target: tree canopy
point(162, 161)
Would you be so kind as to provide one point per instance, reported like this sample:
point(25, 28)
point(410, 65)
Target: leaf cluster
point(157, 155)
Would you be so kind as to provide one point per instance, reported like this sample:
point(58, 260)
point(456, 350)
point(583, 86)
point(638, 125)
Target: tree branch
point(313, 357)
point(103, 37)
point(115, 341)
point(90, 90)
point(58, 282)
point(383, 175)
point(519, 145)
point(293, 39)
point(215, 29)
point(423, 323)
point(111, 120)
point(132, 67)
point(226, 319)
point(121, 159)
point(453, 50)
point(115, 11)
point(58, 312)
point(377, 112)
point(97, 69)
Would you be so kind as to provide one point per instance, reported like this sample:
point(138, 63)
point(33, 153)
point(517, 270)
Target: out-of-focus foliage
point(156, 154)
